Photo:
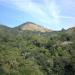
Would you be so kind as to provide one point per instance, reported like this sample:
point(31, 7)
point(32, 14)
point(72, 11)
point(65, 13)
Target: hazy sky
point(53, 14)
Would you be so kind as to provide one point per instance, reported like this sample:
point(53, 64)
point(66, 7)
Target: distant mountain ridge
point(32, 27)
point(4, 27)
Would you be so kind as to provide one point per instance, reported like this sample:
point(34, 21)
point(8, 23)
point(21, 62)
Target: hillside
point(32, 27)
point(25, 51)
point(4, 27)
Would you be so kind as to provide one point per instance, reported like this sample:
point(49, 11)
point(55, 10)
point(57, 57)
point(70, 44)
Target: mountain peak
point(27, 23)
point(33, 27)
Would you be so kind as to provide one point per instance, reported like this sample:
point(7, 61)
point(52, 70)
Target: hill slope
point(32, 27)
point(3, 27)
point(36, 53)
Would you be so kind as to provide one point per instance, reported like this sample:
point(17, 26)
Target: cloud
point(47, 11)
point(55, 12)
point(30, 7)
point(67, 17)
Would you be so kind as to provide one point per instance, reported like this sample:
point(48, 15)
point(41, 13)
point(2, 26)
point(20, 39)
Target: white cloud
point(67, 17)
point(29, 7)
point(55, 12)
point(38, 11)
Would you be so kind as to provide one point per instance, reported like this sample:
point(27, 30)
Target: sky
point(52, 14)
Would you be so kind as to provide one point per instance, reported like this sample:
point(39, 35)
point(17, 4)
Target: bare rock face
point(33, 27)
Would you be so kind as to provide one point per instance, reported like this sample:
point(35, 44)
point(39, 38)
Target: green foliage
point(36, 53)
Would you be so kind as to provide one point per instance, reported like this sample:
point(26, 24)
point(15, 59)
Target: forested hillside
point(37, 53)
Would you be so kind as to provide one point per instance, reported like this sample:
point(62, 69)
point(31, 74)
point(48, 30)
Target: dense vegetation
point(36, 53)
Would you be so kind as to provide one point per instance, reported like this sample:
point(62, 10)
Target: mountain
point(4, 27)
point(32, 27)
point(71, 29)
